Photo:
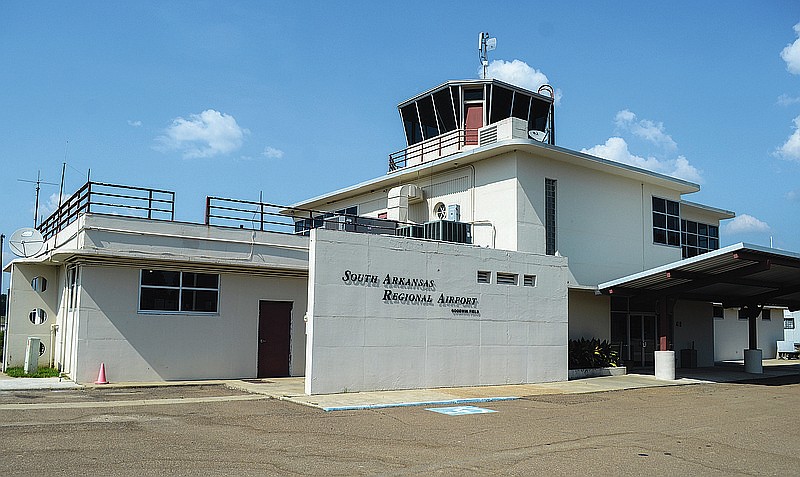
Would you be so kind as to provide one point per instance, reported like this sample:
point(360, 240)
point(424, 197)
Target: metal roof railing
point(110, 199)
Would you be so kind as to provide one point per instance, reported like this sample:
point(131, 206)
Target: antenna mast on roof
point(38, 183)
point(485, 45)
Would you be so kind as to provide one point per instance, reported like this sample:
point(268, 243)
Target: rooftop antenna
point(38, 183)
point(485, 45)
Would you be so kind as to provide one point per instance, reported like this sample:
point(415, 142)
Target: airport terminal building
point(474, 260)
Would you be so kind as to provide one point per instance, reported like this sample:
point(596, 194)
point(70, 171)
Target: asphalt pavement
point(737, 428)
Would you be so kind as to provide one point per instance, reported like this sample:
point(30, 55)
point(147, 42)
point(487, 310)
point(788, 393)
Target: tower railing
point(428, 150)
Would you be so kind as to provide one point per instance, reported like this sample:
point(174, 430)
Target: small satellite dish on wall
point(537, 135)
point(26, 242)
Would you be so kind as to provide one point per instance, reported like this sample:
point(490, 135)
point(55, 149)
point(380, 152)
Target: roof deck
point(157, 205)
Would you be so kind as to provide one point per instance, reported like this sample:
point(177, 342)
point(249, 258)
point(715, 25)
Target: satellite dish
point(540, 136)
point(26, 242)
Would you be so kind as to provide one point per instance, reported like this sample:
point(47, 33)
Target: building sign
point(413, 291)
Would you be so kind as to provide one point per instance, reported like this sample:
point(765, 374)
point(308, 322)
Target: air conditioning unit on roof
point(448, 231)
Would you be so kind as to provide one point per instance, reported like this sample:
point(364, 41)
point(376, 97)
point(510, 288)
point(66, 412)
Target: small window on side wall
point(39, 284)
point(37, 316)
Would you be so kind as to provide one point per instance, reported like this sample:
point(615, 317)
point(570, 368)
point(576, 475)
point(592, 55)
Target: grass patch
point(19, 372)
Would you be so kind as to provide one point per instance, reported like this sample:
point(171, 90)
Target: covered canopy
point(741, 275)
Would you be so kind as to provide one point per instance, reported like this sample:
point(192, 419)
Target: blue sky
point(294, 99)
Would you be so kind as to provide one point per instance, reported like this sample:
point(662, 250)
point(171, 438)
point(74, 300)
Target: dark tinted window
point(158, 299)
point(161, 278)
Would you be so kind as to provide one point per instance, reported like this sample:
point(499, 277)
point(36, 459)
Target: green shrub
point(44, 372)
point(591, 353)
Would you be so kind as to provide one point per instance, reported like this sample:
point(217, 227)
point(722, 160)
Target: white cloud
point(518, 73)
point(792, 195)
point(51, 205)
point(135, 124)
point(272, 152)
point(645, 129)
point(743, 224)
point(207, 134)
point(791, 54)
point(791, 148)
point(616, 149)
point(786, 100)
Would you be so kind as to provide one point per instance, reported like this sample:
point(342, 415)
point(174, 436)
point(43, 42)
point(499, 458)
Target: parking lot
point(702, 429)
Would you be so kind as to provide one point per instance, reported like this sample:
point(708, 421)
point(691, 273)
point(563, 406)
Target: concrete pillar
point(32, 355)
point(665, 365)
point(752, 361)
point(752, 328)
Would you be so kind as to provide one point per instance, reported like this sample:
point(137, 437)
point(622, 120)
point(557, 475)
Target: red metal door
point(274, 327)
point(473, 122)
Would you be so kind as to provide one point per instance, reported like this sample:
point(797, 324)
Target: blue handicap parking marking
point(460, 410)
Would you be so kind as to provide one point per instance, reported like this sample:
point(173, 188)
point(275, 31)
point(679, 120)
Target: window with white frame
point(174, 291)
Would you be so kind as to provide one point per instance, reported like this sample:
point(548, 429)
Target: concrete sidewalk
point(292, 389)
point(28, 384)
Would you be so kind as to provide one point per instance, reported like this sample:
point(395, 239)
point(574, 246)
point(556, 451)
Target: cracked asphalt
point(706, 429)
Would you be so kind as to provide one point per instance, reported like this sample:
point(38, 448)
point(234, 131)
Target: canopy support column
point(664, 357)
point(752, 355)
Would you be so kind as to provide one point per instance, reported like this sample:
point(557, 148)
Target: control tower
point(453, 116)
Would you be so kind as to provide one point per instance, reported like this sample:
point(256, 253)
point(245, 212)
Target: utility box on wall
point(454, 212)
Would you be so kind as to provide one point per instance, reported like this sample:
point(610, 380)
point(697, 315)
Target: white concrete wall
point(22, 300)
point(694, 328)
point(698, 214)
point(731, 335)
point(122, 237)
point(604, 221)
point(589, 315)
point(358, 340)
point(154, 347)
point(496, 203)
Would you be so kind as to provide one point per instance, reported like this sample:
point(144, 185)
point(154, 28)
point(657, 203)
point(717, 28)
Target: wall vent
point(529, 280)
point(484, 276)
point(504, 278)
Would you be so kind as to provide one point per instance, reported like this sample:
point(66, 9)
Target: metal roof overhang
point(736, 276)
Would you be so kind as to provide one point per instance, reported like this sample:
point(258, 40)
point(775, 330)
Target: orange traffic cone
point(101, 376)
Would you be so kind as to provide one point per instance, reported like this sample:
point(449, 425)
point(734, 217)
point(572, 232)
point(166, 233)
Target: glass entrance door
point(642, 339)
